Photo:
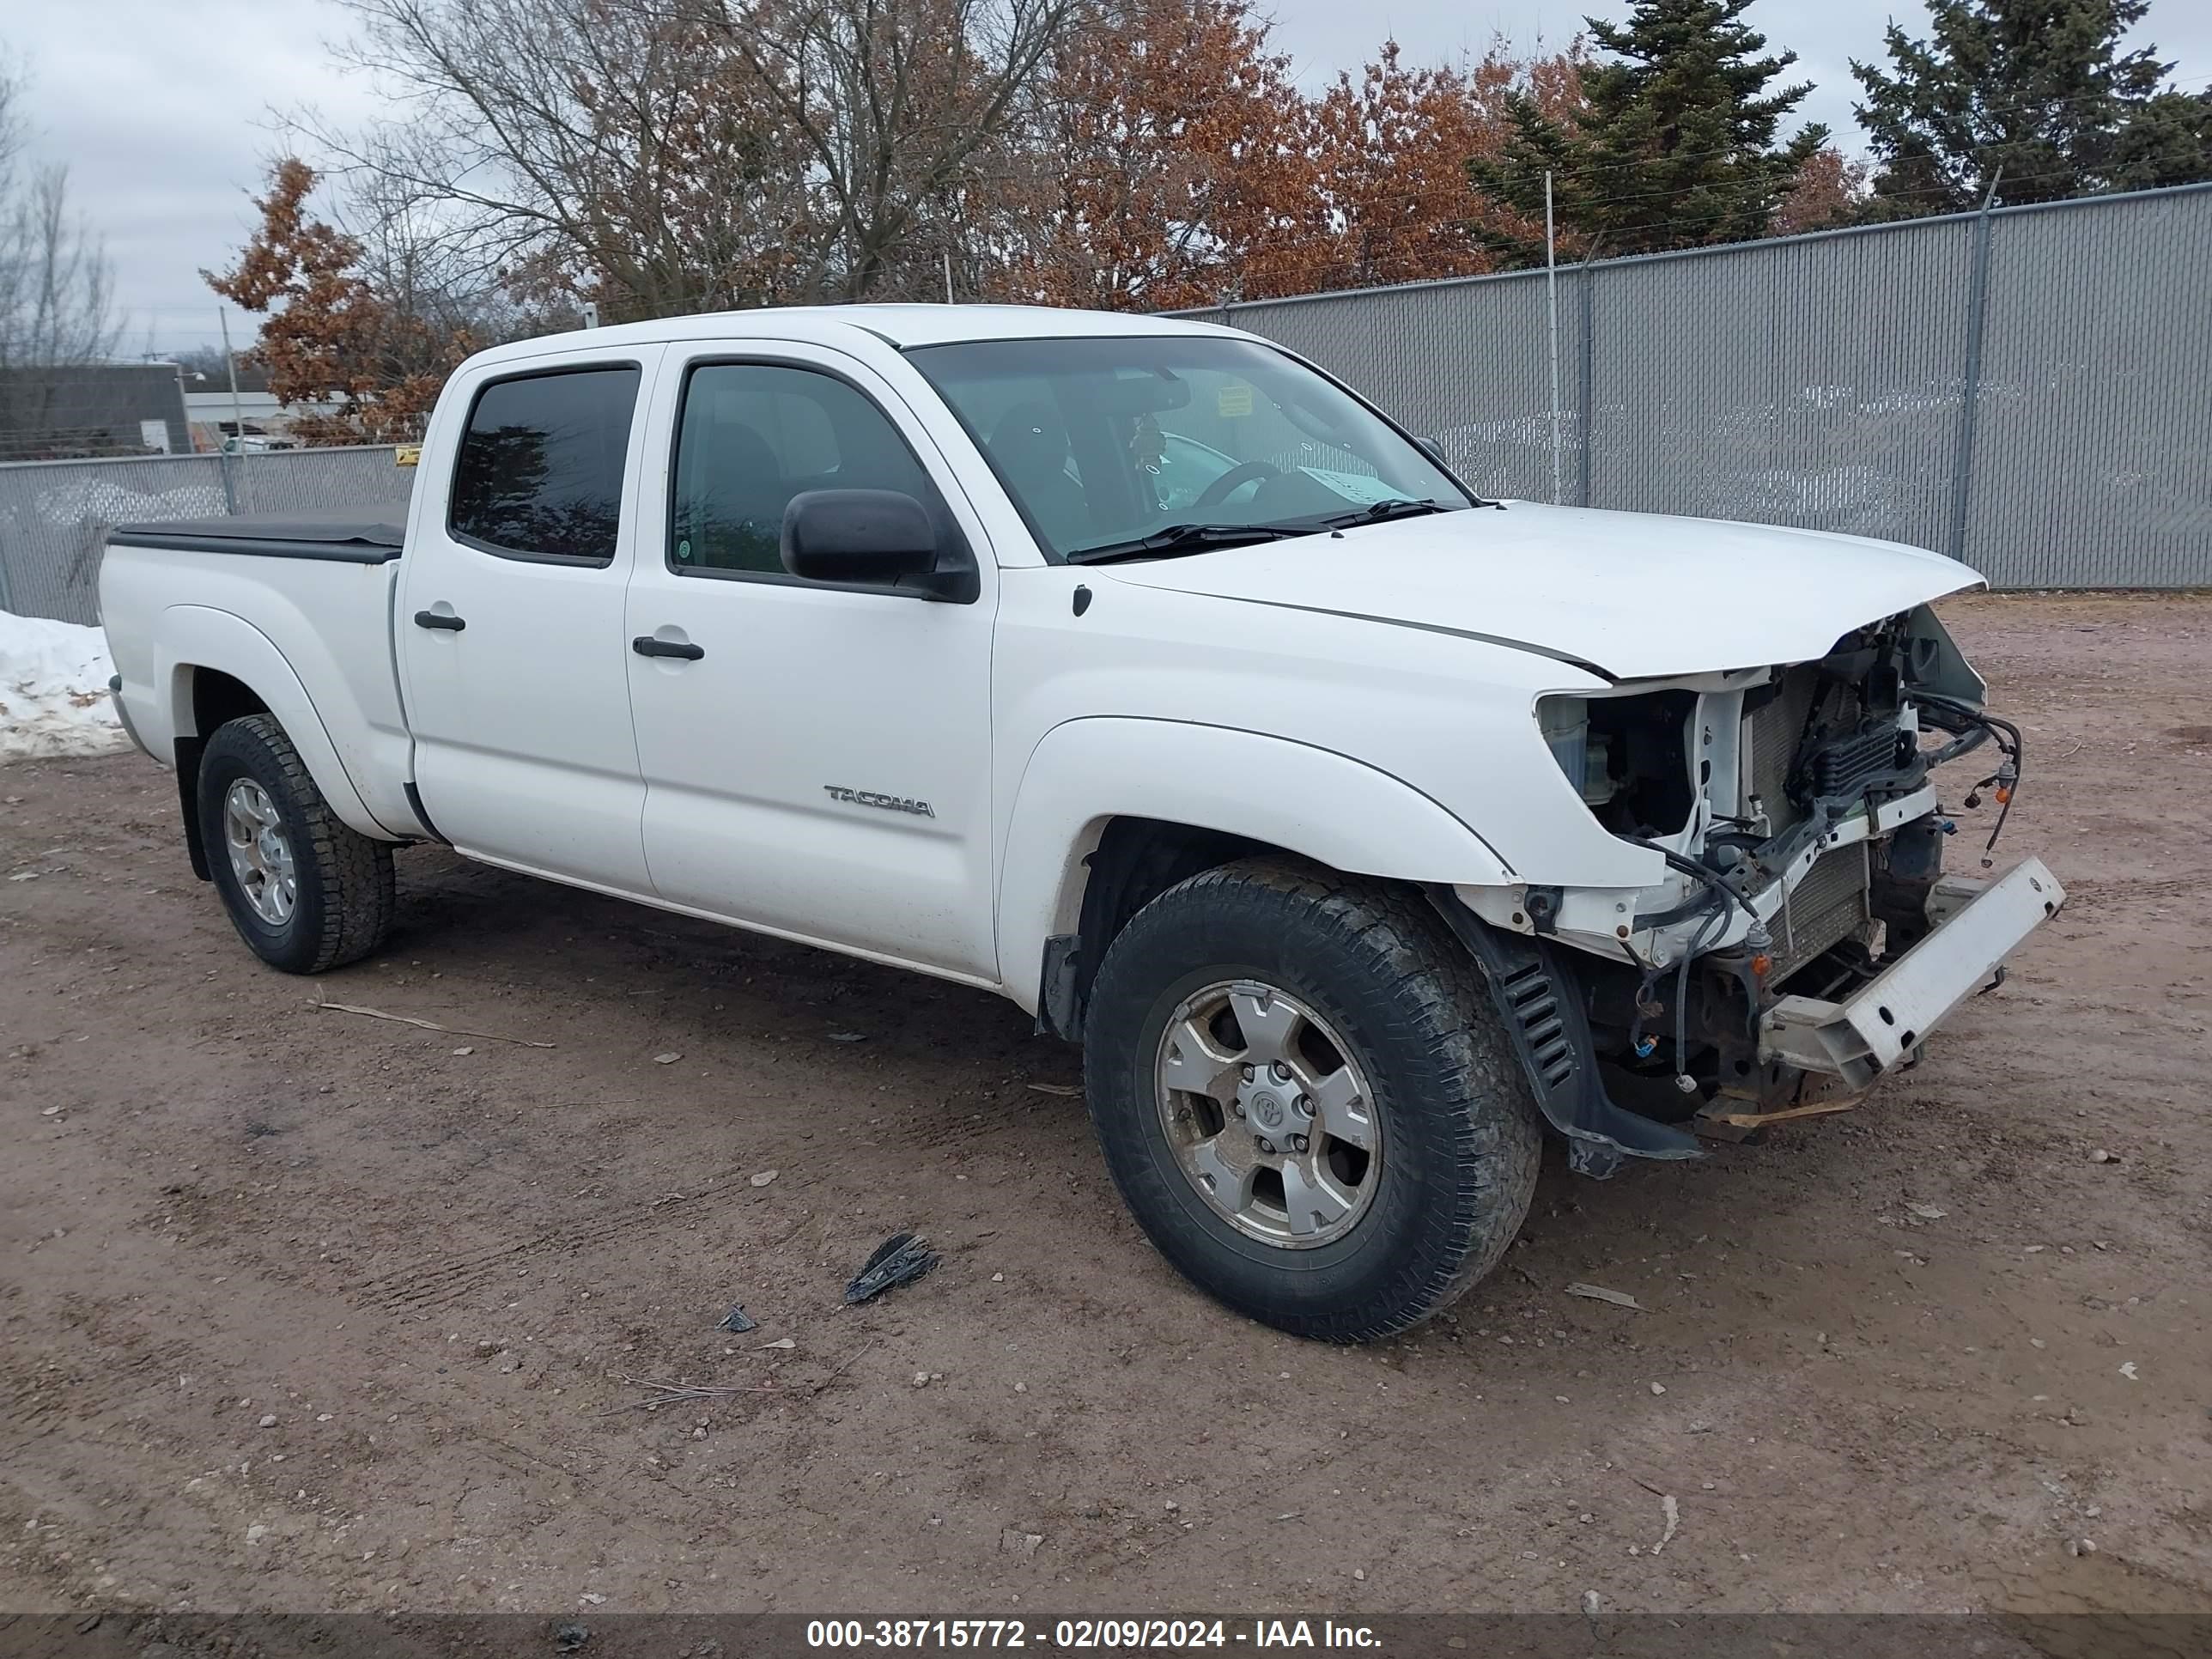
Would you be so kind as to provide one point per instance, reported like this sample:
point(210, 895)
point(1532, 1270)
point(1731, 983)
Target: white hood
point(1635, 595)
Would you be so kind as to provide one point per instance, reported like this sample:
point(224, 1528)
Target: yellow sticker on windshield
point(1233, 400)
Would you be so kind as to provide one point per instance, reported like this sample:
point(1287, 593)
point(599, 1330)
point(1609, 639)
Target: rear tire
point(1291, 998)
point(305, 891)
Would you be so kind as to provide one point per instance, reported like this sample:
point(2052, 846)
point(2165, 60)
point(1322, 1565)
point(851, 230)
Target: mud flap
point(188, 799)
point(1551, 1033)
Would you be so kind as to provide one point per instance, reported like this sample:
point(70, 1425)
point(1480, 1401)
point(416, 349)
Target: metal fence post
point(1585, 373)
point(1962, 460)
point(6, 588)
point(229, 484)
point(1552, 304)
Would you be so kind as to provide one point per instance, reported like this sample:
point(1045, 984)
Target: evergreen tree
point(1674, 146)
point(2035, 95)
point(2168, 141)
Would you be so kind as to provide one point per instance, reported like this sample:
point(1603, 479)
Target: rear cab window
point(539, 475)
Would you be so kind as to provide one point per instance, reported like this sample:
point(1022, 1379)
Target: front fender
point(193, 636)
point(1313, 802)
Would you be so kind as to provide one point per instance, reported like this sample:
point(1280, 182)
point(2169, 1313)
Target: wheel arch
point(197, 697)
point(1112, 811)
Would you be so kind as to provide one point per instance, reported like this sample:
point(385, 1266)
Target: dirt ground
point(304, 1309)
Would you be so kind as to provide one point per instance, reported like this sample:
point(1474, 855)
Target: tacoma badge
point(920, 809)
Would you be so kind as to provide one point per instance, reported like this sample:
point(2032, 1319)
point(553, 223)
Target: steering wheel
point(1220, 490)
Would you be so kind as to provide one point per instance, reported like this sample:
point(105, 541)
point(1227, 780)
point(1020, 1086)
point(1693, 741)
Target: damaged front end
point(1804, 938)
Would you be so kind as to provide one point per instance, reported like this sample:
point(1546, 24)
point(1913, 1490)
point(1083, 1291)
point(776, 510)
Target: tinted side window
point(755, 434)
point(541, 466)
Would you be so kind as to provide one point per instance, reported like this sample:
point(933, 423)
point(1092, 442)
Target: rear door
point(510, 622)
point(817, 759)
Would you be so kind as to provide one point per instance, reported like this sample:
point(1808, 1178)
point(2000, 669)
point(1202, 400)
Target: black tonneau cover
point(356, 535)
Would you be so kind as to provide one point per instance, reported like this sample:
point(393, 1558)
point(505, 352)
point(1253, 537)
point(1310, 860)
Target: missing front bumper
point(1978, 925)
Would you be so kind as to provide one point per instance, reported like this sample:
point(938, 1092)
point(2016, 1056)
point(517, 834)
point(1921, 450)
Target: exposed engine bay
point(1798, 813)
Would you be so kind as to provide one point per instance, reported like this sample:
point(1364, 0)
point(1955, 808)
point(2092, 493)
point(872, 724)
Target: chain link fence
point(2025, 390)
point(55, 515)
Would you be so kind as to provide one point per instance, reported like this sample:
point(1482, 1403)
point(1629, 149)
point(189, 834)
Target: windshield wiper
point(1383, 512)
point(1187, 537)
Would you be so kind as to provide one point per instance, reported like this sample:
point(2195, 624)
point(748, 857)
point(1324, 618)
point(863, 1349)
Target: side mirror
point(1434, 451)
point(876, 538)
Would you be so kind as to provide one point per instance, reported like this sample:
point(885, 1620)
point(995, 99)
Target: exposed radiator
point(1827, 907)
point(1772, 731)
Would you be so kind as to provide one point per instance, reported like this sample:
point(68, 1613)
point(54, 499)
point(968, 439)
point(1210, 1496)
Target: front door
point(515, 663)
point(817, 759)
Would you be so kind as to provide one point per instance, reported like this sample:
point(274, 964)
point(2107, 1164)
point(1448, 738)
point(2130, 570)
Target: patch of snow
point(53, 689)
point(98, 500)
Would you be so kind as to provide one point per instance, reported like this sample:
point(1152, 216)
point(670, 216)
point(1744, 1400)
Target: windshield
point(1106, 441)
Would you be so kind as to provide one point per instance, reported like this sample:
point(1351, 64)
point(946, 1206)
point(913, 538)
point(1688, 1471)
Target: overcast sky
point(161, 109)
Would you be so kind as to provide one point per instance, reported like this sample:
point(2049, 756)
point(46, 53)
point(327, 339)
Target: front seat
point(1030, 448)
point(736, 503)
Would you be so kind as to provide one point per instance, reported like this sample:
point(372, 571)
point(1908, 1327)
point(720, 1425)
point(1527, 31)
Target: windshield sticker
point(1354, 486)
point(1233, 401)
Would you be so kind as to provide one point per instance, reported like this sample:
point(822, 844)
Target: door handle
point(646, 646)
point(435, 619)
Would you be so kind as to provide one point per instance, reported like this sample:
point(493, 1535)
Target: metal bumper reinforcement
point(1978, 925)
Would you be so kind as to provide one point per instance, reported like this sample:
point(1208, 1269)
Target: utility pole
point(1552, 298)
point(183, 407)
point(230, 361)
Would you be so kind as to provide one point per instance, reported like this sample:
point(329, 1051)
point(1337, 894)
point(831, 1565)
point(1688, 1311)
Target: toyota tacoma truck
point(1361, 829)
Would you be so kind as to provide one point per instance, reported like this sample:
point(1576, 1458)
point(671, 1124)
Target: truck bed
point(341, 535)
point(299, 606)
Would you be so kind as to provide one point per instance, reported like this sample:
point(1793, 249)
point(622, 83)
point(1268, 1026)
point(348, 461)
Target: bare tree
point(592, 147)
point(660, 156)
point(57, 306)
point(900, 108)
point(410, 257)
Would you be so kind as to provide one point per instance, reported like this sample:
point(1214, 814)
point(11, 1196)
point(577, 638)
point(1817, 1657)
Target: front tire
point(305, 891)
point(1308, 1100)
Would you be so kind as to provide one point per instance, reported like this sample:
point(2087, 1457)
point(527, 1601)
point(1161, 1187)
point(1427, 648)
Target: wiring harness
point(1970, 728)
point(1721, 896)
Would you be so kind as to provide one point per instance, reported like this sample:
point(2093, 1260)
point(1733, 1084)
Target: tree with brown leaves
point(1831, 189)
point(328, 338)
point(1181, 167)
point(1391, 150)
point(1168, 162)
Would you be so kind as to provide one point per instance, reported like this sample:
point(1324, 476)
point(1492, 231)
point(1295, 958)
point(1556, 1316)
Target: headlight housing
point(1582, 756)
point(1627, 756)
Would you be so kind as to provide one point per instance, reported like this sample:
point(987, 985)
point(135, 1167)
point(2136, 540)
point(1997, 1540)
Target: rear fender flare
point(192, 637)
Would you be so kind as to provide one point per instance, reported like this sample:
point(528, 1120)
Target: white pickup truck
point(1360, 828)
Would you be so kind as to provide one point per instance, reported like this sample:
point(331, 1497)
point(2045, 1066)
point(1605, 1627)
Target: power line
point(1688, 221)
point(1639, 164)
